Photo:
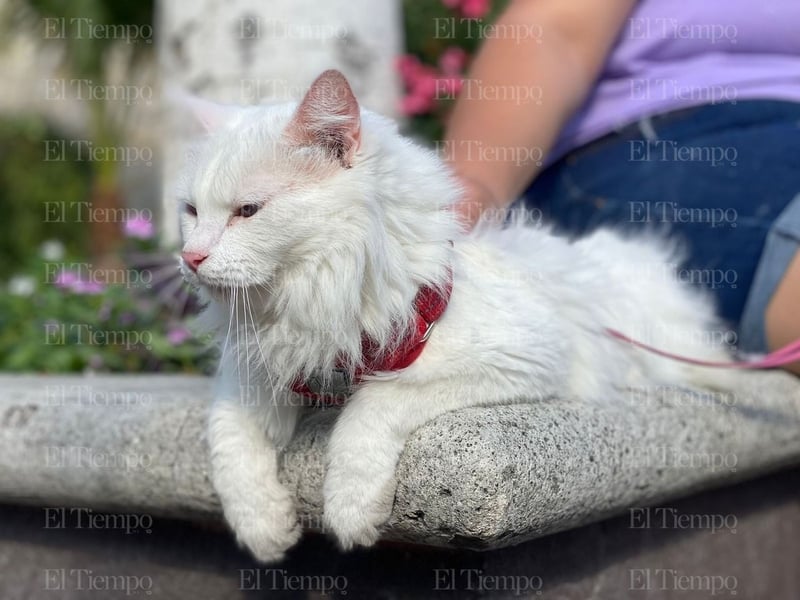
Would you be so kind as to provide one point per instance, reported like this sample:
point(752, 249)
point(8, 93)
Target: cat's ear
point(328, 117)
point(195, 111)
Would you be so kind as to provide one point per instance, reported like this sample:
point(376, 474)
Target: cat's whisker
point(263, 367)
point(237, 346)
point(245, 330)
point(227, 337)
point(266, 287)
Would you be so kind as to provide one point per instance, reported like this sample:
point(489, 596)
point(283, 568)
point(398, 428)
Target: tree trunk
point(251, 52)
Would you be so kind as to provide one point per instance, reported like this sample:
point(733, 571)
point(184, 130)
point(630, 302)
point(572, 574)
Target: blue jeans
point(723, 178)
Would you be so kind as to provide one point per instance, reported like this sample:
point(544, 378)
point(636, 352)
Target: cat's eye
point(192, 210)
point(247, 210)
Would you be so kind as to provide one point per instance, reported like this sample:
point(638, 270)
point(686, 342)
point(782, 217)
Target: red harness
point(429, 305)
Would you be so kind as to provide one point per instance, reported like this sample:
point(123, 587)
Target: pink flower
point(421, 83)
point(471, 9)
point(178, 335)
point(449, 87)
point(475, 9)
point(415, 104)
point(408, 66)
point(88, 287)
point(66, 280)
point(139, 228)
point(71, 281)
point(453, 60)
point(425, 85)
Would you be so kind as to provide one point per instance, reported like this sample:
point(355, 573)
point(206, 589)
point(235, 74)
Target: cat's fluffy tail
point(661, 305)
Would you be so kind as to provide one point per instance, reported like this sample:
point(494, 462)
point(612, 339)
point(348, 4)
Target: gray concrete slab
point(480, 478)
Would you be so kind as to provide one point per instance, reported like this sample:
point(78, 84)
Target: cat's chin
point(218, 293)
point(226, 293)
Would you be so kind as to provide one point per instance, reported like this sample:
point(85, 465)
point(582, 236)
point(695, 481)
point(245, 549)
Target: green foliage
point(50, 328)
point(48, 325)
point(27, 184)
point(430, 27)
point(91, 25)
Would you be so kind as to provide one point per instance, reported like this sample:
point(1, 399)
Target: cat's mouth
point(224, 289)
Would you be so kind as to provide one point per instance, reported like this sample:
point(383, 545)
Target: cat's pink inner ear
point(329, 117)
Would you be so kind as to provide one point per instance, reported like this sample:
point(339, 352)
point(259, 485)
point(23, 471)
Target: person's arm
point(533, 71)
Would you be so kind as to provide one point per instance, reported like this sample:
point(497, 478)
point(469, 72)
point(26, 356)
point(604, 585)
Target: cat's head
point(268, 185)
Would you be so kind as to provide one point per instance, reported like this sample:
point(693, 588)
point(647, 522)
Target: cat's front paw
point(268, 530)
point(353, 516)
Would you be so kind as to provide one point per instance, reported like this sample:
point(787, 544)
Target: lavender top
point(673, 54)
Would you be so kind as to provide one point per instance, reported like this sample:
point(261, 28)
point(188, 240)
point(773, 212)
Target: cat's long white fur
point(338, 252)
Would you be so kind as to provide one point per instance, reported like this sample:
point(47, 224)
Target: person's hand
point(477, 201)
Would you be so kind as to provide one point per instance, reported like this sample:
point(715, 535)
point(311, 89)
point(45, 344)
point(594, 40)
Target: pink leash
point(784, 356)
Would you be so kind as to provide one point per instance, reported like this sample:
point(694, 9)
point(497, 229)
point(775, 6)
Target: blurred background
point(88, 269)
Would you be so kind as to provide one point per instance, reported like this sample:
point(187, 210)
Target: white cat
point(311, 228)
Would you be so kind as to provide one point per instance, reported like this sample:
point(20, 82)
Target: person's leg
point(782, 318)
point(723, 204)
point(771, 316)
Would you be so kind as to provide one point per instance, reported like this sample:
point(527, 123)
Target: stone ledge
point(481, 478)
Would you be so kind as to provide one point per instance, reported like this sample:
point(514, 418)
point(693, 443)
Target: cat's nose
point(193, 259)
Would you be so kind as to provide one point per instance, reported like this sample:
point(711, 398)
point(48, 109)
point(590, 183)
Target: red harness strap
point(429, 305)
